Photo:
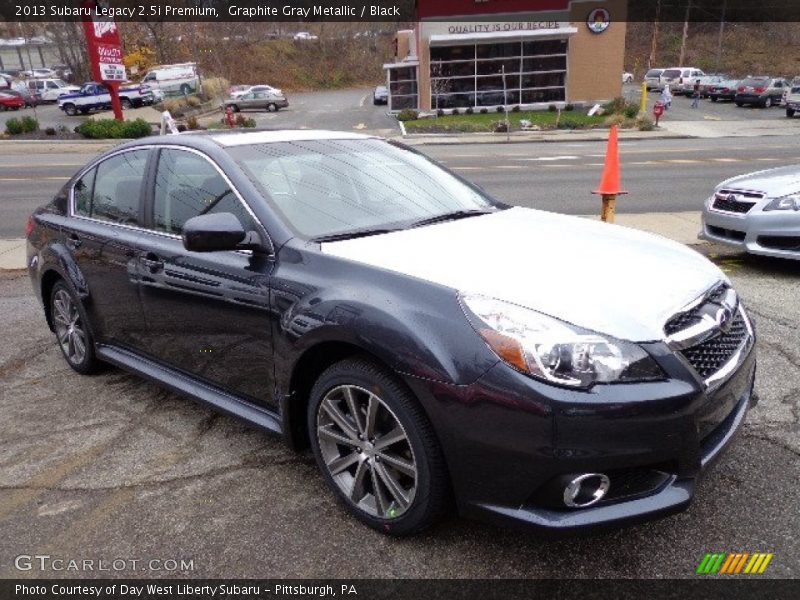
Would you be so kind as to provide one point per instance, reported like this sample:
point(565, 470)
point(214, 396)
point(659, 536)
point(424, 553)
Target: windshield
point(328, 187)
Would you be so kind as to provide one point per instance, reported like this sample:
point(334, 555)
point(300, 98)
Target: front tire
point(790, 112)
point(72, 329)
point(70, 110)
point(376, 448)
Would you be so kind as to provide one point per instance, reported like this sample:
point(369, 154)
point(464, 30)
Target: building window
point(472, 74)
point(403, 88)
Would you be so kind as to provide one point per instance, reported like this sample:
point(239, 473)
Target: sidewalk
point(593, 135)
point(712, 128)
point(681, 227)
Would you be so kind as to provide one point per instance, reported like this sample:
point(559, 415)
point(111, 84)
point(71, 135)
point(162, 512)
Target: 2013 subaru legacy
point(437, 349)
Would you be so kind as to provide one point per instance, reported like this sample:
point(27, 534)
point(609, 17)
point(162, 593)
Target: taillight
point(29, 227)
point(740, 88)
point(760, 90)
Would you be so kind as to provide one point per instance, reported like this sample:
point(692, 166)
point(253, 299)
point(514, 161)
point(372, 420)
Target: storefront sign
point(599, 20)
point(103, 45)
point(430, 28)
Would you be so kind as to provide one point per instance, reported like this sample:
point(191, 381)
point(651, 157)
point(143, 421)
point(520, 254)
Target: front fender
point(415, 327)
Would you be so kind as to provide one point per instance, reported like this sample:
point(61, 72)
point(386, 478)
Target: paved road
point(661, 175)
point(109, 467)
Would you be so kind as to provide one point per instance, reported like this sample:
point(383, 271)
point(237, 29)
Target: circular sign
point(599, 20)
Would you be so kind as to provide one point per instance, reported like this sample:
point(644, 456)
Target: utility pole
point(685, 33)
point(721, 35)
point(652, 62)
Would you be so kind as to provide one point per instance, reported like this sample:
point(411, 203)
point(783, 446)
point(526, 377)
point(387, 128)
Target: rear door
point(207, 313)
point(103, 238)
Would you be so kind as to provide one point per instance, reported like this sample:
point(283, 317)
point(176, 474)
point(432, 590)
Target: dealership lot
point(110, 466)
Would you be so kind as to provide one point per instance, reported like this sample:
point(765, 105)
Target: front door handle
point(152, 263)
point(73, 242)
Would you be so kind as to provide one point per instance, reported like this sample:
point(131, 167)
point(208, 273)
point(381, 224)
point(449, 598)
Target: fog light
point(585, 490)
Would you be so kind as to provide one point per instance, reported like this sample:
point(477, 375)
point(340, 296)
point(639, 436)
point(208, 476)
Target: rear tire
point(72, 329)
point(789, 112)
point(272, 108)
point(376, 448)
point(739, 104)
point(714, 98)
point(70, 110)
point(126, 103)
point(767, 103)
point(185, 89)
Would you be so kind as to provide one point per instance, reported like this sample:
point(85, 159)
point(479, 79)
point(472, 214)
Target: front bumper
point(773, 233)
point(507, 437)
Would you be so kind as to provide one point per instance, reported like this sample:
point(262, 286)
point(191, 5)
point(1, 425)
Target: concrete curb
point(423, 139)
point(681, 227)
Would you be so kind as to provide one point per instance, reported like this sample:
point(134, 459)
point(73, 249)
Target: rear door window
point(112, 190)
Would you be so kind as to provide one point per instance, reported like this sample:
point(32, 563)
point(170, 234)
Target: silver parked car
point(261, 100)
point(653, 79)
point(758, 212)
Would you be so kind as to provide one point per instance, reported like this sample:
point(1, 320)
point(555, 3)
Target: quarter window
point(112, 190)
point(188, 185)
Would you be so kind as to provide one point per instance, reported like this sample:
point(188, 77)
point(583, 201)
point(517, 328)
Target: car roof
point(215, 139)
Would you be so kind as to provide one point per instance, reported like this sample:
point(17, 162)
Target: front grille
point(686, 319)
point(708, 357)
point(735, 206)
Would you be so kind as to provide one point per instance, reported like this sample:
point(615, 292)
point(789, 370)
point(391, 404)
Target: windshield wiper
point(452, 216)
point(349, 235)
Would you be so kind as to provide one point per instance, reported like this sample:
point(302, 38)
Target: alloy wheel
point(69, 327)
point(366, 451)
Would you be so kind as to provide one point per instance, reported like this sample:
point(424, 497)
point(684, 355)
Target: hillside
point(748, 48)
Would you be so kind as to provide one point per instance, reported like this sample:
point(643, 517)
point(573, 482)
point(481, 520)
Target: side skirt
point(183, 384)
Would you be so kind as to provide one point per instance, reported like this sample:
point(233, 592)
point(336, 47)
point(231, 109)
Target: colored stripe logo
point(727, 563)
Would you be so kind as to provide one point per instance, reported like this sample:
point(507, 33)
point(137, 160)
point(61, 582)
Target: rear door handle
point(73, 242)
point(152, 262)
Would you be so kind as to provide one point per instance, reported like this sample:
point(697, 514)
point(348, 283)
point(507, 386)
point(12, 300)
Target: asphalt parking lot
point(110, 467)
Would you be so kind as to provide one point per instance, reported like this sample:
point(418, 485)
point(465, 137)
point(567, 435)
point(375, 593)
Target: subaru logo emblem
point(724, 318)
point(732, 198)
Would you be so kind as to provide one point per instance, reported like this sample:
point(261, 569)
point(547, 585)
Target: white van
point(174, 79)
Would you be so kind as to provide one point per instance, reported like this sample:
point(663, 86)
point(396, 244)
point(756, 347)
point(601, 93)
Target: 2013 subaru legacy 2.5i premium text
point(437, 349)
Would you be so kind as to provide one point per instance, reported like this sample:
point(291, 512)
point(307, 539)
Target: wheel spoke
point(78, 343)
point(397, 492)
point(63, 337)
point(395, 435)
point(398, 464)
point(357, 491)
point(337, 465)
point(328, 432)
point(63, 310)
point(381, 503)
point(57, 316)
point(338, 418)
point(372, 413)
point(353, 406)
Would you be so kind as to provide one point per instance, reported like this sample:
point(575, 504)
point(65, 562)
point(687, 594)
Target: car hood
point(773, 182)
point(613, 280)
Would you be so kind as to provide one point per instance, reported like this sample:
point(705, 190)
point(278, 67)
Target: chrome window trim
point(149, 147)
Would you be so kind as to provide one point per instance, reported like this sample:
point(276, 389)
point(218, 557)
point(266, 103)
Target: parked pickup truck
point(793, 101)
point(95, 96)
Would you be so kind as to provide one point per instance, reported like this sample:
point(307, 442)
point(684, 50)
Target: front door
point(207, 313)
point(104, 241)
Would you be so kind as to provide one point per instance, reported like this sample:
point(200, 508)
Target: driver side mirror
point(217, 232)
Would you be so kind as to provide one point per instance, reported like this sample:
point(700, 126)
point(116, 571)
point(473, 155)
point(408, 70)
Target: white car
point(255, 88)
point(304, 35)
point(627, 77)
point(49, 90)
point(681, 80)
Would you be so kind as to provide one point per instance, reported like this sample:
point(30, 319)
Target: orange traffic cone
point(610, 181)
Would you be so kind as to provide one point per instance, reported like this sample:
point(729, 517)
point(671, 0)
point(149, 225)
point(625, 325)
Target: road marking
point(62, 178)
point(549, 158)
point(360, 126)
point(363, 101)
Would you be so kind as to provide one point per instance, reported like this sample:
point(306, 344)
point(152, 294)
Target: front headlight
point(555, 351)
point(790, 202)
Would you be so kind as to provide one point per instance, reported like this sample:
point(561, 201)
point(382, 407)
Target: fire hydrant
point(658, 110)
point(229, 116)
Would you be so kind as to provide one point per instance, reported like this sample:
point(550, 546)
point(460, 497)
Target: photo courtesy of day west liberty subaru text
point(209, 10)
